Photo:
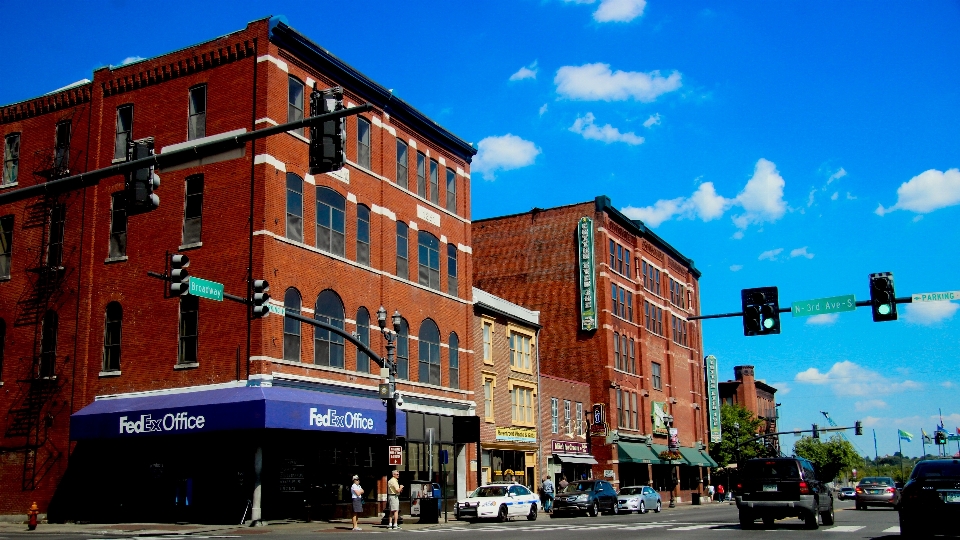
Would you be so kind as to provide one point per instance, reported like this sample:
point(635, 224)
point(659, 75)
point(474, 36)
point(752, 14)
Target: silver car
point(638, 499)
point(877, 491)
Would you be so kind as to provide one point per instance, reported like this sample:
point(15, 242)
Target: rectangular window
point(452, 288)
point(403, 247)
point(434, 182)
point(554, 415)
point(622, 304)
point(616, 351)
point(567, 426)
point(487, 342)
point(630, 307)
point(613, 255)
point(619, 408)
point(295, 102)
point(428, 260)
point(363, 142)
point(520, 351)
point(488, 399)
point(421, 175)
point(634, 424)
point(522, 401)
point(11, 158)
point(118, 225)
point(581, 428)
point(193, 210)
point(632, 368)
point(402, 178)
point(657, 381)
point(626, 263)
point(58, 215)
point(6, 247)
point(197, 120)
point(452, 190)
point(189, 324)
point(454, 363)
point(61, 158)
point(294, 208)
point(363, 235)
point(620, 259)
point(124, 131)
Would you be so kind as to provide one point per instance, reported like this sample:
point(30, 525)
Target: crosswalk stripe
point(894, 529)
point(692, 527)
point(845, 528)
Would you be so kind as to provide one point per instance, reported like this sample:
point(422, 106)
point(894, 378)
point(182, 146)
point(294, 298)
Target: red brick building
point(613, 298)
point(756, 396)
point(564, 412)
point(122, 402)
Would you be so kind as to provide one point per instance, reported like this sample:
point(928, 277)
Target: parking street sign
point(396, 455)
point(206, 289)
point(819, 306)
point(936, 296)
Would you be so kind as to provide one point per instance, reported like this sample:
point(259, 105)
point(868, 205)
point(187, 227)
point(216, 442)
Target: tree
point(725, 451)
point(830, 457)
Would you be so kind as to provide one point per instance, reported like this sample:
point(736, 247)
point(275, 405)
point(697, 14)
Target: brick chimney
point(747, 389)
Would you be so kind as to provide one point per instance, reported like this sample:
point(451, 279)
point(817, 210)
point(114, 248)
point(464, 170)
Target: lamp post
point(391, 366)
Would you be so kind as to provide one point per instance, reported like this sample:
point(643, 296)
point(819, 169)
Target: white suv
point(500, 501)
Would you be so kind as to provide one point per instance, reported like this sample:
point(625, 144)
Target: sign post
point(395, 455)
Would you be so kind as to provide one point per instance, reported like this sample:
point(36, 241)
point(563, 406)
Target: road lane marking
point(845, 528)
point(894, 529)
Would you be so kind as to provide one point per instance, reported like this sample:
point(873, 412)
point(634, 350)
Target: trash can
point(695, 498)
point(429, 510)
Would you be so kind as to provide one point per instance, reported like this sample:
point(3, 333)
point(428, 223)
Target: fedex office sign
point(349, 420)
point(180, 421)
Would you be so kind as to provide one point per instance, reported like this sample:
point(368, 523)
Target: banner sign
point(673, 442)
point(569, 447)
point(713, 398)
point(516, 434)
point(658, 413)
point(586, 267)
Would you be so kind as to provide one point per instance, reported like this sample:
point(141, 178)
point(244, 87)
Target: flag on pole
point(904, 435)
point(926, 438)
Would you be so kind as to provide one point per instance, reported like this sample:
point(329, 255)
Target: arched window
point(291, 327)
point(363, 334)
point(428, 260)
point(294, 207)
point(429, 353)
point(111, 337)
point(295, 101)
point(452, 269)
point(363, 235)
point(331, 210)
point(454, 361)
point(328, 347)
point(403, 350)
point(48, 345)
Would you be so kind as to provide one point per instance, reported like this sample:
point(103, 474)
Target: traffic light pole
point(860, 303)
point(173, 158)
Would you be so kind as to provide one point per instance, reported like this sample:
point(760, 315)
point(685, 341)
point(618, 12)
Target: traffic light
point(858, 428)
point(327, 140)
point(260, 298)
point(940, 437)
point(141, 183)
point(179, 276)
point(882, 298)
point(761, 311)
point(816, 432)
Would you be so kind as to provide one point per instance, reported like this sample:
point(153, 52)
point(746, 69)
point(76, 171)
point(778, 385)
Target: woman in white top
point(356, 493)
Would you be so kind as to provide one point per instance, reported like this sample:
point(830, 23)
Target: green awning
point(657, 448)
point(693, 456)
point(710, 461)
point(629, 452)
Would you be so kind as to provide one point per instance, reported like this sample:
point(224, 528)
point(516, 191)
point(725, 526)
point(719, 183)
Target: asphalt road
point(682, 523)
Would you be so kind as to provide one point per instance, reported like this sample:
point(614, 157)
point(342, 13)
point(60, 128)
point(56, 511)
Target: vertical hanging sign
point(713, 397)
point(588, 292)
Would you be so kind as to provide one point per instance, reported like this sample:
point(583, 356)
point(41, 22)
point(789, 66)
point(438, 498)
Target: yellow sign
point(516, 434)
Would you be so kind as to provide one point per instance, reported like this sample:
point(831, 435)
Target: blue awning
point(222, 409)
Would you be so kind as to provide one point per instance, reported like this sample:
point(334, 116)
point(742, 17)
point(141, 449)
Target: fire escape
point(37, 403)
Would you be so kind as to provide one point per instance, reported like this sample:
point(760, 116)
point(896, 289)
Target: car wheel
point(811, 521)
point(746, 520)
point(828, 517)
point(768, 521)
point(594, 509)
point(532, 516)
point(502, 514)
point(643, 507)
point(659, 506)
point(615, 509)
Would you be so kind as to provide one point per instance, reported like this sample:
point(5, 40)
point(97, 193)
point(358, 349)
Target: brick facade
point(243, 236)
point(756, 396)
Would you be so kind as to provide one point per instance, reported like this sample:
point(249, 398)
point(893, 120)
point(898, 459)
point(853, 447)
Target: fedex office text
point(170, 422)
point(349, 420)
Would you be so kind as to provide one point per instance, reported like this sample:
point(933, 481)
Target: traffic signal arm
point(859, 303)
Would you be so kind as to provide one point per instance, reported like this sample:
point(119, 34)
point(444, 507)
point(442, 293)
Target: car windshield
point(783, 470)
point(878, 481)
point(631, 491)
point(936, 471)
point(580, 486)
point(490, 491)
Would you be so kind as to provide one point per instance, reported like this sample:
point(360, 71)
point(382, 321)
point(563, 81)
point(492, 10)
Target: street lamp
point(391, 366)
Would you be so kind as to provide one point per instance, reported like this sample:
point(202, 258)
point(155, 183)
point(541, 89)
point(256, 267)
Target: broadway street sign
point(206, 289)
point(819, 306)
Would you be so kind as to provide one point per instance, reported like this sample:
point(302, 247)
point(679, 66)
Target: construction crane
point(842, 434)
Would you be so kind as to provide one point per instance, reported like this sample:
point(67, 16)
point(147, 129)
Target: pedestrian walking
point(356, 494)
point(720, 493)
point(547, 489)
point(563, 483)
point(393, 500)
point(710, 492)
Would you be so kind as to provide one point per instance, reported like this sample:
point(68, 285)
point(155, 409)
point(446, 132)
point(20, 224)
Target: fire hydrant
point(32, 514)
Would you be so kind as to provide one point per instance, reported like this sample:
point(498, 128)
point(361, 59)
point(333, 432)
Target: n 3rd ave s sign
point(936, 296)
point(819, 306)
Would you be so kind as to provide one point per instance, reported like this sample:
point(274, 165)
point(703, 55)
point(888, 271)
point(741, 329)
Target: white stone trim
point(310, 82)
point(428, 215)
point(275, 61)
point(413, 226)
point(377, 209)
point(309, 178)
point(266, 120)
point(270, 160)
point(412, 143)
point(443, 239)
point(465, 249)
point(351, 198)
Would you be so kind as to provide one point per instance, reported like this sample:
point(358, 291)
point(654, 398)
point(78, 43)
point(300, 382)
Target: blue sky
point(797, 144)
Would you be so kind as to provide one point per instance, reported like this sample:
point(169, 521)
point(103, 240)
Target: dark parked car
point(930, 502)
point(846, 493)
point(775, 488)
point(590, 496)
point(877, 491)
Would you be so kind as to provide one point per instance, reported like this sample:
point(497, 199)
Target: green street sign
point(936, 296)
point(278, 310)
point(206, 289)
point(819, 306)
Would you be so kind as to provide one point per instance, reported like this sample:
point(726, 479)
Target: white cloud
point(526, 72)
point(870, 404)
point(801, 252)
point(654, 120)
point(762, 197)
point(653, 216)
point(592, 82)
point(847, 378)
point(131, 59)
point(836, 176)
point(835, 196)
point(503, 153)
point(738, 235)
point(606, 133)
point(929, 313)
point(736, 267)
point(770, 255)
point(947, 384)
point(704, 203)
point(928, 191)
point(619, 10)
point(783, 388)
point(823, 319)
point(543, 109)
